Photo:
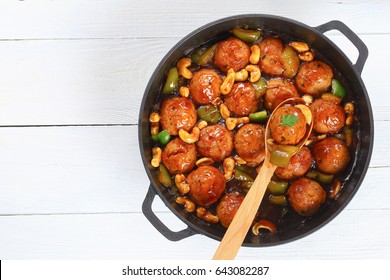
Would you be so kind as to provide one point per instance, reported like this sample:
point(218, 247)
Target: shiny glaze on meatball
point(249, 143)
point(299, 164)
point(270, 52)
point(177, 113)
point(279, 90)
point(314, 77)
point(231, 53)
point(204, 86)
point(287, 125)
point(207, 184)
point(306, 196)
point(228, 206)
point(215, 142)
point(179, 157)
point(331, 155)
point(328, 117)
point(242, 99)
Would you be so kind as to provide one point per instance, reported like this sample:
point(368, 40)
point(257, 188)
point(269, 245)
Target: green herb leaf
point(289, 120)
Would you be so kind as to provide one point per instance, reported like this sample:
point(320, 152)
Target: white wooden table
point(72, 76)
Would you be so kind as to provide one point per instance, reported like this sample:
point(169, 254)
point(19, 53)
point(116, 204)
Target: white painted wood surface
point(72, 76)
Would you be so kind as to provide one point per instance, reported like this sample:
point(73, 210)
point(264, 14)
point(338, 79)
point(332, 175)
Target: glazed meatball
point(331, 155)
point(178, 156)
point(232, 53)
point(314, 77)
point(299, 164)
point(249, 143)
point(328, 117)
point(215, 142)
point(306, 196)
point(270, 52)
point(204, 86)
point(287, 125)
point(278, 91)
point(207, 184)
point(177, 113)
point(242, 99)
point(227, 208)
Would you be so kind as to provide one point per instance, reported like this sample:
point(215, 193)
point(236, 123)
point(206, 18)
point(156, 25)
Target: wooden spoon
point(238, 229)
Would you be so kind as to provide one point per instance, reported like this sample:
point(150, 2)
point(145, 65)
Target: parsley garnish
point(289, 120)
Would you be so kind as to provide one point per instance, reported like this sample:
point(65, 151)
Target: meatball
point(287, 125)
point(270, 52)
point(314, 77)
point(177, 113)
point(278, 91)
point(215, 142)
point(242, 99)
point(207, 184)
point(178, 156)
point(232, 53)
point(227, 208)
point(328, 117)
point(331, 155)
point(204, 86)
point(299, 164)
point(306, 196)
point(249, 143)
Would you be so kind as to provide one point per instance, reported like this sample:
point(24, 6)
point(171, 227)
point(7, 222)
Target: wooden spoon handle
point(238, 229)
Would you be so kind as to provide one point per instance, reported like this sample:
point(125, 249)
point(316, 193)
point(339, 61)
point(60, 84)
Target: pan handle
point(362, 48)
point(156, 222)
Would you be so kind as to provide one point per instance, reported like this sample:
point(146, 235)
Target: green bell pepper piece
point(209, 113)
point(248, 36)
point(258, 117)
point(338, 89)
point(163, 137)
point(276, 187)
point(164, 177)
point(172, 82)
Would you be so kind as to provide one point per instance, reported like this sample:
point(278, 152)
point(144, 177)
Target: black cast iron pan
point(311, 35)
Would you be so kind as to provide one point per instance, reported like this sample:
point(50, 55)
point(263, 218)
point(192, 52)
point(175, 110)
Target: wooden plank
point(121, 18)
point(358, 234)
point(102, 81)
point(46, 170)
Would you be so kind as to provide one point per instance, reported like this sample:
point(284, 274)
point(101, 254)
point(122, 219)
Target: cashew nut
point(189, 137)
point(263, 224)
point(228, 82)
point(182, 186)
point(331, 97)
point(182, 65)
point(156, 160)
point(154, 119)
point(307, 98)
point(201, 124)
point(231, 123)
point(306, 112)
point(255, 54)
point(184, 91)
point(306, 56)
point(239, 160)
point(241, 75)
point(299, 46)
point(217, 101)
point(224, 110)
point(189, 205)
point(254, 73)
point(204, 161)
point(349, 109)
point(334, 189)
point(228, 167)
point(205, 215)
